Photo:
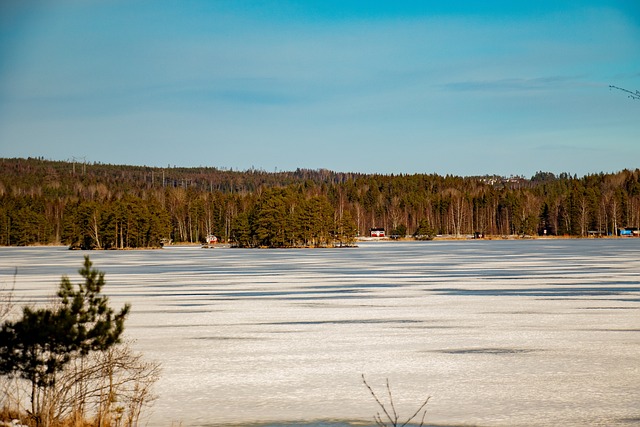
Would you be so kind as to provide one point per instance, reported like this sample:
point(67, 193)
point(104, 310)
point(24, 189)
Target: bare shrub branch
point(102, 389)
point(392, 418)
point(112, 387)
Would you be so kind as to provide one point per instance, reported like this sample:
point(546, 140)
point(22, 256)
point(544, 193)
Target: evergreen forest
point(103, 206)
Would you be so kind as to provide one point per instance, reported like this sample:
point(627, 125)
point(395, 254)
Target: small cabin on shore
point(377, 232)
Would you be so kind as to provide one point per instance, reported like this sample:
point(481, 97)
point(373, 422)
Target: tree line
point(113, 206)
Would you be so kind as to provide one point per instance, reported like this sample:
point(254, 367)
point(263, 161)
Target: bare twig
point(424, 413)
point(393, 407)
point(380, 404)
point(633, 95)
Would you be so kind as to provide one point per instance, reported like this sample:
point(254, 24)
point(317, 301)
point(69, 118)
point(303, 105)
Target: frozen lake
point(498, 333)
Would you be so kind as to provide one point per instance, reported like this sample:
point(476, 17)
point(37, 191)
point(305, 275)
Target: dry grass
point(104, 389)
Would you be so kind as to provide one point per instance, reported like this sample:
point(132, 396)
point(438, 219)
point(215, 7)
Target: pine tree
point(39, 345)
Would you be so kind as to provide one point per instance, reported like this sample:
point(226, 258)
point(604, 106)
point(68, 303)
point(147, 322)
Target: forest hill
point(113, 206)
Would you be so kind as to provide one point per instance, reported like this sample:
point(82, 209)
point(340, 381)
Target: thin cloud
point(512, 84)
point(568, 147)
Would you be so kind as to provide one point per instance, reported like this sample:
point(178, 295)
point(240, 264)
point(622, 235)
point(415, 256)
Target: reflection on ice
point(505, 333)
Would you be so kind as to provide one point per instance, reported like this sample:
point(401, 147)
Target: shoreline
point(496, 237)
point(357, 239)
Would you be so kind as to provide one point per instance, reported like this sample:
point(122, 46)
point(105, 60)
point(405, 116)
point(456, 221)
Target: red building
point(377, 232)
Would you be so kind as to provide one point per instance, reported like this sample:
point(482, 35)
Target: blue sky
point(459, 87)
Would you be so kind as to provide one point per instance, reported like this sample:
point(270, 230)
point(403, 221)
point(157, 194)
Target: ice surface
point(543, 332)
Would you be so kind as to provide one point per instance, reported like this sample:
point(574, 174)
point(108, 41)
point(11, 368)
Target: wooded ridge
point(94, 205)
